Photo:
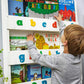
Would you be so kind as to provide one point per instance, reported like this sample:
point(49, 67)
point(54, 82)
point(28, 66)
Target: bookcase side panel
point(1, 48)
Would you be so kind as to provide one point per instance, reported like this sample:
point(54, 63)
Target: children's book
point(40, 8)
point(25, 6)
point(18, 74)
point(46, 72)
point(18, 43)
point(34, 72)
point(15, 7)
point(67, 10)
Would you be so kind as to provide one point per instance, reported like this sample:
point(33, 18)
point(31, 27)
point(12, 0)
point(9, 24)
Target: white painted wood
point(9, 23)
point(14, 56)
point(38, 81)
point(12, 24)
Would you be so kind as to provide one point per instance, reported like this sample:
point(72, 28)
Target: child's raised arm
point(61, 24)
point(44, 60)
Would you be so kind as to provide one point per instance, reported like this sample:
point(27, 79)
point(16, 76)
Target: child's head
point(73, 38)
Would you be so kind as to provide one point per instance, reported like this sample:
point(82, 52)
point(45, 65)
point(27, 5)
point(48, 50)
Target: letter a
point(19, 22)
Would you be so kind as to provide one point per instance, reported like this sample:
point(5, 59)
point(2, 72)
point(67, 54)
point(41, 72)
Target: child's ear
point(65, 43)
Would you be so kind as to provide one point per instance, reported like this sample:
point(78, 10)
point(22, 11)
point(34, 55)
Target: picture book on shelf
point(18, 74)
point(42, 41)
point(34, 72)
point(67, 10)
point(46, 72)
point(18, 43)
point(15, 7)
point(47, 41)
point(43, 8)
point(34, 8)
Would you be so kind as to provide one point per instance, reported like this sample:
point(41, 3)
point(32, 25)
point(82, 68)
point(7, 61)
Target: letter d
point(54, 25)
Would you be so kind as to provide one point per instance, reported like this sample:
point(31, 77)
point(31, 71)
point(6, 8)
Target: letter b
point(33, 23)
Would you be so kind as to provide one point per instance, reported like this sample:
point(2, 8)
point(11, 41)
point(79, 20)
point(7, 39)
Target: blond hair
point(74, 35)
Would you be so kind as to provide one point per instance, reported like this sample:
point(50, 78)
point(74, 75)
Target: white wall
point(80, 11)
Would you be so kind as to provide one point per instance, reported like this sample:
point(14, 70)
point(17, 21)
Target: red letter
point(54, 25)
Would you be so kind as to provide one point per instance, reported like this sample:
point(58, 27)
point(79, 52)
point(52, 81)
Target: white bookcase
point(8, 23)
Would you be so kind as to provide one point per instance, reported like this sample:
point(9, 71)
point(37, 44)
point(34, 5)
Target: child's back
point(66, 68)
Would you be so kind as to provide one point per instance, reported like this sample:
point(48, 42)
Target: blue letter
point(44, 24)
point(44, 82)
point(22, 58)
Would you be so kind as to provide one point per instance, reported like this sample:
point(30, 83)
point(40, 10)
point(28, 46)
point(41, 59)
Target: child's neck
point(66, 49)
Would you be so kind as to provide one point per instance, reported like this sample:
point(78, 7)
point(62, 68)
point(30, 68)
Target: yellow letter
point(49, 7)
point(33, 23)
point(32, 5)
point(45, 6)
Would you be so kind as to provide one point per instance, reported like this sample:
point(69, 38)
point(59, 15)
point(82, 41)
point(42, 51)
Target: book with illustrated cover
point(46, 72)
point(41, 8)
point(18, 74)
point(15, 7)
point(67, 10)
point(18, 43)
point(34, 72)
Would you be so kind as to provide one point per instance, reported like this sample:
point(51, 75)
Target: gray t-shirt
point(66, 68)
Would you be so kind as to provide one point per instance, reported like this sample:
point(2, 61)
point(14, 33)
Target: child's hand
point(59, 17)
point(30, 37)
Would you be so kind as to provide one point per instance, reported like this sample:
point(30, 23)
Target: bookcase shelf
point(10, 25)
point(14, 56)
point(26, 21)
point(38, 81)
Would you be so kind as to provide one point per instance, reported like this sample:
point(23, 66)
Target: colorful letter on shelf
point(19, 22)
point(49, 52)
point(30, 57)
point(54, 25)
point(57, 52)
point(40, 52)
point(22, 58)
point(33, 23)
point(34, 83)
point(44, 82)
point(44, 24)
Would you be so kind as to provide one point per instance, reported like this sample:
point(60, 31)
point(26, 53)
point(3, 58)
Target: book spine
point(28, 73)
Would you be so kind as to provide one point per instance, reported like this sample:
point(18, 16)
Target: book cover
point(18, 43)
point(67, 10)
point(34, 72)
point(40, 8)
point(46, 72)
point(15, 7)
point(18, 74)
